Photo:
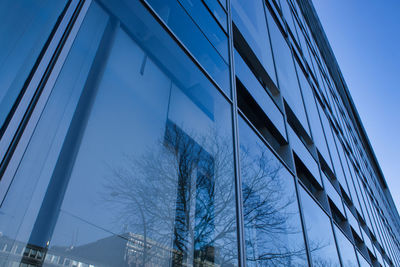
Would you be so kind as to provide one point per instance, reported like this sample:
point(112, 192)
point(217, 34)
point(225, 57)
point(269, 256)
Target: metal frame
point(73, 22)
point(238, 180)
point(22, 124)
point(34, 82)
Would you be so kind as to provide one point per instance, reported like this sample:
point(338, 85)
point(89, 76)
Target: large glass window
point(319, 231)
point(273, 233)
point(24, 28)
point(131, 163)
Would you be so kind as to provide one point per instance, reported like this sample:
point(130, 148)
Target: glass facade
point(182, 133)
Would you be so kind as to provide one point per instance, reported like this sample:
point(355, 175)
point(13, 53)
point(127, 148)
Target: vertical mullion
point(238, 180)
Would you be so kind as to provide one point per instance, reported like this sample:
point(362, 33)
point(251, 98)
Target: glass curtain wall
point(179, 133)
point(131, 163)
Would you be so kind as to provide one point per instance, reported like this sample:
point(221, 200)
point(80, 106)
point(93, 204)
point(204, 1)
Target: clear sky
point(365, 37)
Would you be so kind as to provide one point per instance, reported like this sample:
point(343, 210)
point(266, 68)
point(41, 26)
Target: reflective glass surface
point(203, 18)
point(362, 260)
point(131, 163)
point(319, 231)
point(249, 17)
point(286, 72)
point(346, 249)
point(273, 233)
point(259, 94)
point(313, 116)
point(219, 13)
point(352, 188)
point(333, 194)
point(24, 29)
point(333, 151)
point(191, 35)
point(130, 154)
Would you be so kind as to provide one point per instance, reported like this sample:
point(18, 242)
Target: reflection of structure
point(122, 250)
point(195, 195)
point(182, 133)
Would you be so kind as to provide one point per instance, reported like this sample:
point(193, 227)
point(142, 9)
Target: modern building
point(183, 133)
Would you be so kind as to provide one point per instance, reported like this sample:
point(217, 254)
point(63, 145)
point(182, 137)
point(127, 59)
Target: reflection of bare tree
point(271, 216)
point(180, 196)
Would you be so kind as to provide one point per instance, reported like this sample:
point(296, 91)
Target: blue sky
point(365, 37)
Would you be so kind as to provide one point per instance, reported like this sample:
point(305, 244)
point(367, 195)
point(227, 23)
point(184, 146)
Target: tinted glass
point(332, 148)
point(219, 13)
point(333, 194)
point(319, 232)
point(191, 35)
point(362, 261)
point(24, 29)
point(286, 72)
point(249, 17)
point(259, 94)
point(208, 25)
point(132, 156)
point(352, 188)
point(287, 13)
point(343, 163)
point(313, 116)
point(273, 232)
point(346, 249)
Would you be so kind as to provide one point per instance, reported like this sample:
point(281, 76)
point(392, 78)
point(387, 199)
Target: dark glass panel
point(319, 231)
point(131, 162)
point(273, 232)
point(24, 28)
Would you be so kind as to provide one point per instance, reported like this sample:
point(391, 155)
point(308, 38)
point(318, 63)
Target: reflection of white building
point(118, 250)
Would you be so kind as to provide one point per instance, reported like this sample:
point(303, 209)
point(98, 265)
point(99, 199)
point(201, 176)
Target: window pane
point(249, 17)
point(346, 249)
point(24, 29)
point(319, 231)
point(202, 17)
point(133, 156)
point(219, 13)
point(273, 232)
point(286, 72)
point(173, 14)
point(362, 261)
